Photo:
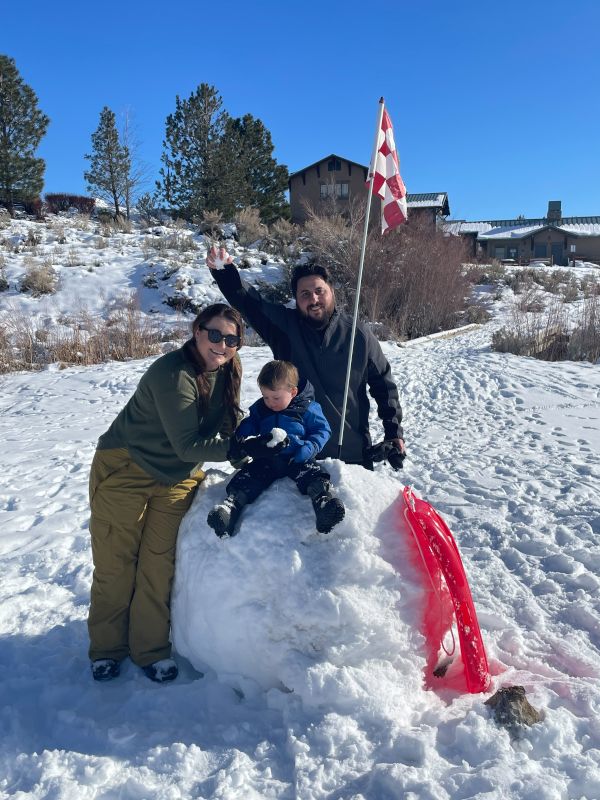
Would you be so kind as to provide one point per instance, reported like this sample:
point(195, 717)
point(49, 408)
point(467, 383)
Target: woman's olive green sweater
point(163, 426)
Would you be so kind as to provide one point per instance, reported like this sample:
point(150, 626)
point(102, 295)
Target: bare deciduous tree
point(138, 176)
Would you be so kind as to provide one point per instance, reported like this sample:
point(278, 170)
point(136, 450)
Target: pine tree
point(233, 191)
point(262, 182)
point(193, 132)
point(110, 162)
point(22, 126)
point(211, 161)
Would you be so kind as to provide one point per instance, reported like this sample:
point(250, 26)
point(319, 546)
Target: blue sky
point(494, 103)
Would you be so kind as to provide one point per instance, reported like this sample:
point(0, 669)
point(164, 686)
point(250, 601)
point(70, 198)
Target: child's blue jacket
point(303, 421)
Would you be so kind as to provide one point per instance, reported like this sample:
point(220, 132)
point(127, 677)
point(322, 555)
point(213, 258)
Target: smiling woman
point(215, 344)
point(144, 476)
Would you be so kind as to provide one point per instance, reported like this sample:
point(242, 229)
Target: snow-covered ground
point(301, 659)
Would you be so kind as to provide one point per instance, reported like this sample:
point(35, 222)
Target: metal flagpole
point(360, 271)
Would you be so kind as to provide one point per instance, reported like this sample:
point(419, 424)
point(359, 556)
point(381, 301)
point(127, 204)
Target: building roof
point(520, 228)
point(429, 200)
point(326, 158)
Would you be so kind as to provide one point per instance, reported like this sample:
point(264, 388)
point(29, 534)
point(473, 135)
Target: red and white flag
point(387, 182)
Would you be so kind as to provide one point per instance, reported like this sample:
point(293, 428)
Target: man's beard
point(318, 324)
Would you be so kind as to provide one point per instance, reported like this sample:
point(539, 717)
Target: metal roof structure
point(520, 228)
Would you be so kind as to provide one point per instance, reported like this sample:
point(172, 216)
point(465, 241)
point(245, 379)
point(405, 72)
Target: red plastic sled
point(449, 596)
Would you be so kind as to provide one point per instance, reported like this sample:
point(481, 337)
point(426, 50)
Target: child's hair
point(274, 373)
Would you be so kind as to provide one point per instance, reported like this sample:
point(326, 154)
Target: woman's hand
point(217, 258)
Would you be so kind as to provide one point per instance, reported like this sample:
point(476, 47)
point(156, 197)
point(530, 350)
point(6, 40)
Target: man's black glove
point(262, 446)
point(387, 450)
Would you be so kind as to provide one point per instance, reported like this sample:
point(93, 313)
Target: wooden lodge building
point(342, 179)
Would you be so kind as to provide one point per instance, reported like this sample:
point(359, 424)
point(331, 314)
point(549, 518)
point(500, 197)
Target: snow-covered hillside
point(504, 447)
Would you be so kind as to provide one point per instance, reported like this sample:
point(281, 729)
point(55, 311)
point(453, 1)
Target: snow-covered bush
point(39, 278)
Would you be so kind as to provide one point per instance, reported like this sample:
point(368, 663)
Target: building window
point(339, 189)
point(334, 165)
point(540, 251)
point(499, 252)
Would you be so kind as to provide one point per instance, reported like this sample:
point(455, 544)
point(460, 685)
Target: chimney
point(554, 211)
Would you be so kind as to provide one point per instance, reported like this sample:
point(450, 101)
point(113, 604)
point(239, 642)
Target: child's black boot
point(222, 519)
point(329, 510)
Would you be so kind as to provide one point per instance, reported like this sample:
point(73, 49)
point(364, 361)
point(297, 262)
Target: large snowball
point(330, 617)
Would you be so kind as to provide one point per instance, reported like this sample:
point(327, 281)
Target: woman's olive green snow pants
point(133, 525)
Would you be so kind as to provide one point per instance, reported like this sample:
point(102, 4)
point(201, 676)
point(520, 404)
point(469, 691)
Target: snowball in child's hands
point(277, 435)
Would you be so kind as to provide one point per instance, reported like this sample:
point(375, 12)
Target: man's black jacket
point(322, 358)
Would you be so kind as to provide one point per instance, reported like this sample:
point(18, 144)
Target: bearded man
point(315, 337)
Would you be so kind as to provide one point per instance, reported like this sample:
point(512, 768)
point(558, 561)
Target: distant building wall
point(317, 184)
point(549, 244)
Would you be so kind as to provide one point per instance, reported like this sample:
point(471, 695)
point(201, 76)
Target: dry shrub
point(81, 222)
point(523, 280)
point(531, 300)
point(284, 235)
point(110, 224)
point(59, 232)
point(590, 286)
point(553, 280)
point(74, 259)
point(477, 312)
point(122, 224)
point(570, 291)
point(209, 221)
point(147, 247)
point(413, 280)
point(83, 339)
point(106, 228)
point(275, 292)
point(33, 239)
point(249, 227)
point(127, 333)
point(39, 279)
point(5, 350)
point(492, 274)
point(429, 288)
point(19, 346)
point(181, 241)
point(543, 335)
point(584, 343)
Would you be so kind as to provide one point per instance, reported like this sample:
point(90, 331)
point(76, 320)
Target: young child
point(286, 429)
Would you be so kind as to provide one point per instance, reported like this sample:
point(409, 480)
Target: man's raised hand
point(218, 257)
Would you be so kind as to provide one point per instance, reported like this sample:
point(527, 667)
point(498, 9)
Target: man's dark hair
point(306, 270)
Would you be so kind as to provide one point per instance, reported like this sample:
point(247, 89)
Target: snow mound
point(332, 618)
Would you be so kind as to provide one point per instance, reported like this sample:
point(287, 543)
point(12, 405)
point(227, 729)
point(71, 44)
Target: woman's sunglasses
point(215, 336)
